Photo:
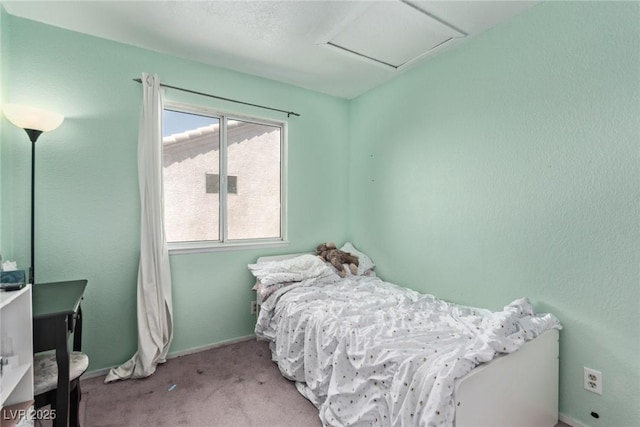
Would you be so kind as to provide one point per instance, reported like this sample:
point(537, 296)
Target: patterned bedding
point(369, 353)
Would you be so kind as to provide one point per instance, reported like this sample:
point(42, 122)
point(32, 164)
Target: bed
point(367, 352)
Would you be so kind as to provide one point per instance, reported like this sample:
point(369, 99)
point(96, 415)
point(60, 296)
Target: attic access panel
point(393, 34)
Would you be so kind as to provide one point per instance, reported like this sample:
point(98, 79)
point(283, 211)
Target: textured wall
point(510, 167)
point(87, 189)
point(5, 244)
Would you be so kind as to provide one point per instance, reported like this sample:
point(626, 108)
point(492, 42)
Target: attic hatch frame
point(338, 47)
point(288, 113)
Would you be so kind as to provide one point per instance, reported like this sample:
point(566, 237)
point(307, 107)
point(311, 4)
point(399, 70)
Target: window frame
point(224, 243)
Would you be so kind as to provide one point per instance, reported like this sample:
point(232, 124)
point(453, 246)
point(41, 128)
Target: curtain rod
point(288, 113)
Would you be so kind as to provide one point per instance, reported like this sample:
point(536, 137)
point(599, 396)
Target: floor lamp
point(34, 121)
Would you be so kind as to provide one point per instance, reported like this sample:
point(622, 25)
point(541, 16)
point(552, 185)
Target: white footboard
point(515, 390)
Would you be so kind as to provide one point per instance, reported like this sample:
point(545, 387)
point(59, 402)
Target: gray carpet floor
point(236, 385)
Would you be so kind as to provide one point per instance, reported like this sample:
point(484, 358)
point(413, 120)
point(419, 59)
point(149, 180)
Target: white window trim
point(176, 248)
point(244, 244)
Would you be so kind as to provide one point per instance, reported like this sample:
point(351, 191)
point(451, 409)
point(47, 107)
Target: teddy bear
point(338, 258)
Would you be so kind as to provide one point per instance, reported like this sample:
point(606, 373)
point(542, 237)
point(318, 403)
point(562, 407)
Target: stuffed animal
point(338, 258)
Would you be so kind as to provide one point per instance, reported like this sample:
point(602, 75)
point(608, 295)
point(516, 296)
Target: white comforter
point(370, 353)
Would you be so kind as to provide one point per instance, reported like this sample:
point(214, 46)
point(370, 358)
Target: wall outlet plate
point(593, 380)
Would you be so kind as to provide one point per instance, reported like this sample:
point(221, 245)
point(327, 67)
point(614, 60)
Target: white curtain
point(155, 312)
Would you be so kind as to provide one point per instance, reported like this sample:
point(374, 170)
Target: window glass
point(191, 150)
point(222, 178)
point(253, 156)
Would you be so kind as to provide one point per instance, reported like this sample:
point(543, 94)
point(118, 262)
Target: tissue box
point(15, 277)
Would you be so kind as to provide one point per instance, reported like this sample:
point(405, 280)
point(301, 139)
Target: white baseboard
point(568, 420)
point(210, 346)
point(173, 355)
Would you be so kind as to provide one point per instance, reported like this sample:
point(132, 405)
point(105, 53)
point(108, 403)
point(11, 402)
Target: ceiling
point(341, 48)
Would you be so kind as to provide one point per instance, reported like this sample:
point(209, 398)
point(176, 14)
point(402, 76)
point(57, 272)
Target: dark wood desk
point(56, 314)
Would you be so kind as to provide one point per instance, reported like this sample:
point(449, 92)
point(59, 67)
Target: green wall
point(87, 203)
point(510, 167)
point(4, 188)
point(2, 47)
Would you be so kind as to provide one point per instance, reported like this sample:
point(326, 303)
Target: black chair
point(45, 381)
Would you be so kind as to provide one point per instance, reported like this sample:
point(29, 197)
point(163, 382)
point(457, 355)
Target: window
point(223, 179)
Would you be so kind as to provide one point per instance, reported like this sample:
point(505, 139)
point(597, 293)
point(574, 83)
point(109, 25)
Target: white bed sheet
point(367, 352)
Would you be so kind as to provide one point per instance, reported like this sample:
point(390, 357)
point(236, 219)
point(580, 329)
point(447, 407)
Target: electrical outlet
point(254, 307)
point(593, 380)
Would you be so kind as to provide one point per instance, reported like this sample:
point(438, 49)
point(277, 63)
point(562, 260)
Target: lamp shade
point(32, 118)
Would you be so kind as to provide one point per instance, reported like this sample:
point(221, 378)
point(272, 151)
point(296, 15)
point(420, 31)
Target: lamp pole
point(33, 136)
point(34, 121)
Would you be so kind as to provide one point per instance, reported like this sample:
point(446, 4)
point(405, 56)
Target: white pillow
point(290, 270)
point(365, 264)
